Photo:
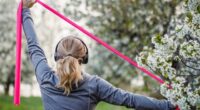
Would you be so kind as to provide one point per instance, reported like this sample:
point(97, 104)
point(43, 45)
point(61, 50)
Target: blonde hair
point(69, 67)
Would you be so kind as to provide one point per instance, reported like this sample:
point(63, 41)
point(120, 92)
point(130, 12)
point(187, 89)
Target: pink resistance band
point(18, 55)
point(101, 42)
point(19, 45)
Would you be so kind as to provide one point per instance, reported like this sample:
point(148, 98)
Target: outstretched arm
point(106, 92)
point(36, 53)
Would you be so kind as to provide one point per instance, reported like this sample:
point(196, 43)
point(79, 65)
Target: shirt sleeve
point(36, 53)
point(106, 92)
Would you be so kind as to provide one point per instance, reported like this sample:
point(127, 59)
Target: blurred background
point(127, 25)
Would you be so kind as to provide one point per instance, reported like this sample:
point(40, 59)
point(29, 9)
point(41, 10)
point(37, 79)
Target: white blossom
point(177, 58)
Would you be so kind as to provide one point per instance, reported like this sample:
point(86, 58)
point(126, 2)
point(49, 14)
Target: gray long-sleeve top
point(90, 91)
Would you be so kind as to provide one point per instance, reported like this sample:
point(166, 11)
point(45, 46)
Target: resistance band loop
point(18, 55)
point(102, 42)
point(19, 46)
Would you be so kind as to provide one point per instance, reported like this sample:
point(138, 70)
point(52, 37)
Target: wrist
point(172, 106)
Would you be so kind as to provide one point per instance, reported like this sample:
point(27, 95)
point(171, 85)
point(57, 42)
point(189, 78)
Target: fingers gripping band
point(19, 40)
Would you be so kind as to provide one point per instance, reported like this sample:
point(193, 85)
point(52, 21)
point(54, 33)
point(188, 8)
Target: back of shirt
point(53, 98)
point(81, 97)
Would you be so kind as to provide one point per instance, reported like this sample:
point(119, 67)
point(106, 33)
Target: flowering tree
point(7, 47)
point(42, 23)
point(176, 58)
point(127, 25)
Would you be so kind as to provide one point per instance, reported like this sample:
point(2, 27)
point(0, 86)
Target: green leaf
point(190, 17)
point(158, 39)
point(198, 9)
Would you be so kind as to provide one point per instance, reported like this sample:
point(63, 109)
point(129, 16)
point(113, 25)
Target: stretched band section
point(97, 39)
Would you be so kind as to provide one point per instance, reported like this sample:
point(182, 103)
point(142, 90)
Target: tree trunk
point(146, 85)
point(193, 108)
point(7, 85)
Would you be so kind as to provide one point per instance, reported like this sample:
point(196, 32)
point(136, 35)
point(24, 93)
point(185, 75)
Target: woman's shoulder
point(91, 77)
point(95, 80)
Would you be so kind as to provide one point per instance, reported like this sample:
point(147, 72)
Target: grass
point(106, 106)
point(35, 103)
point(32, 103)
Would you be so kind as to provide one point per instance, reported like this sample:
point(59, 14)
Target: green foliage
point(127, 25)
point(158, 39)
point(198, 9)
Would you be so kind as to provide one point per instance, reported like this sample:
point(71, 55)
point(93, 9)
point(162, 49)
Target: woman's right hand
point(28, 3)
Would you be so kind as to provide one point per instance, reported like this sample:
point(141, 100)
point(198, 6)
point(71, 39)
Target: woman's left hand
point(28, 3)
